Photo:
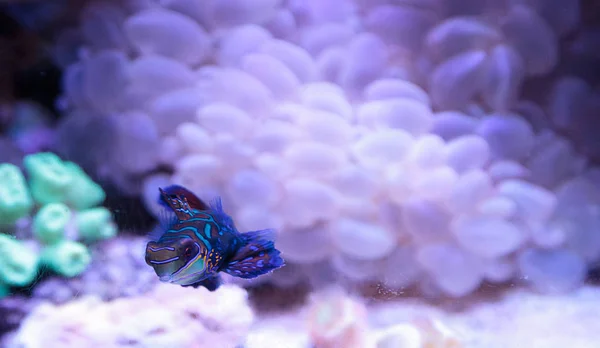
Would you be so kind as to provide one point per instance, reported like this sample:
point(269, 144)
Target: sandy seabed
point(511, 319)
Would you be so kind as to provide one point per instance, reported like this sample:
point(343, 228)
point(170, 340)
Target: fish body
point(196, 241)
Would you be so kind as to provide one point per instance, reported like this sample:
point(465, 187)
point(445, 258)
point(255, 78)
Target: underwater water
point(300, 173)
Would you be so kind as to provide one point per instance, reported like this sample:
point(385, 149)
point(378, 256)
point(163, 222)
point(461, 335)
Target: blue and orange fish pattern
point(196, 241)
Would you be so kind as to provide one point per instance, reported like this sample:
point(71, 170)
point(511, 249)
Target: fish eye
point(188, 249)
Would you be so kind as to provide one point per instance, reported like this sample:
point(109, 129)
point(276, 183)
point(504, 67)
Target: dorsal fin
point(222, 218)
point(176, 191)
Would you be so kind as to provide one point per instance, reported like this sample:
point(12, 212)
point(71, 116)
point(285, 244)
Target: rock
point(168, 316)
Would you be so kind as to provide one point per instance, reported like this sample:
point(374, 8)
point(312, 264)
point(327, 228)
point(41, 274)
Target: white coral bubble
point(436, 184)
point(458, 79)
point(498, 206)
point(168, 33)
point(454, 271)
point(452, 124)
point(251, 187)
point(398, 181)
point(306, 245)
point(306, 201)
point(535, 204)
point(101, 25)
point(425, 220)
point(283, 24)
point(400, 269)
point(187, 170)
point(467, 152)
point(272, 73)
point(471, 189)
point(532, 38)
point(509, 136)
point(239, 89)
point(428, 152)
point(235, 153)
point(254, 218)
point(152, 76)
point(404, 26)
point(568, 101)
point(381, 148)
point(552, 271)
point(231, 13)
point(487, 236)
point(355, 269)
point(317, 11)
point(73, 82)
point(312, 158)
point(362, 240)
point(194, 138)
point(578, 215)
point(137, 152)
point(275, 136)
point(240, 42)
point(562, 15)
point(366, 58)
point(405, 114)
point(388, 88)
point(459, 34)
point(105, 79)
point(327, 97)
point(224, 118)
point(150, 192)
point(500, 270)
point(503, 78)
point(294, 57)
point(198, 10)
point(316, 39)
point(554, 161)
point(272, 166)
point(355, 181)
point(174, 108)
point(507, 169)
point(325, 127)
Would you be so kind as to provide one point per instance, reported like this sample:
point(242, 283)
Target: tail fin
point(256, 257)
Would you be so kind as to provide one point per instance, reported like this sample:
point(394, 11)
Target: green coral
point(18, 264)
point(94, 224)
point(15, 200)
point(66, 258)
point(49, 178)
point(50, 223)
point(61, 202)
point(4, 290)
point(83, 193)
